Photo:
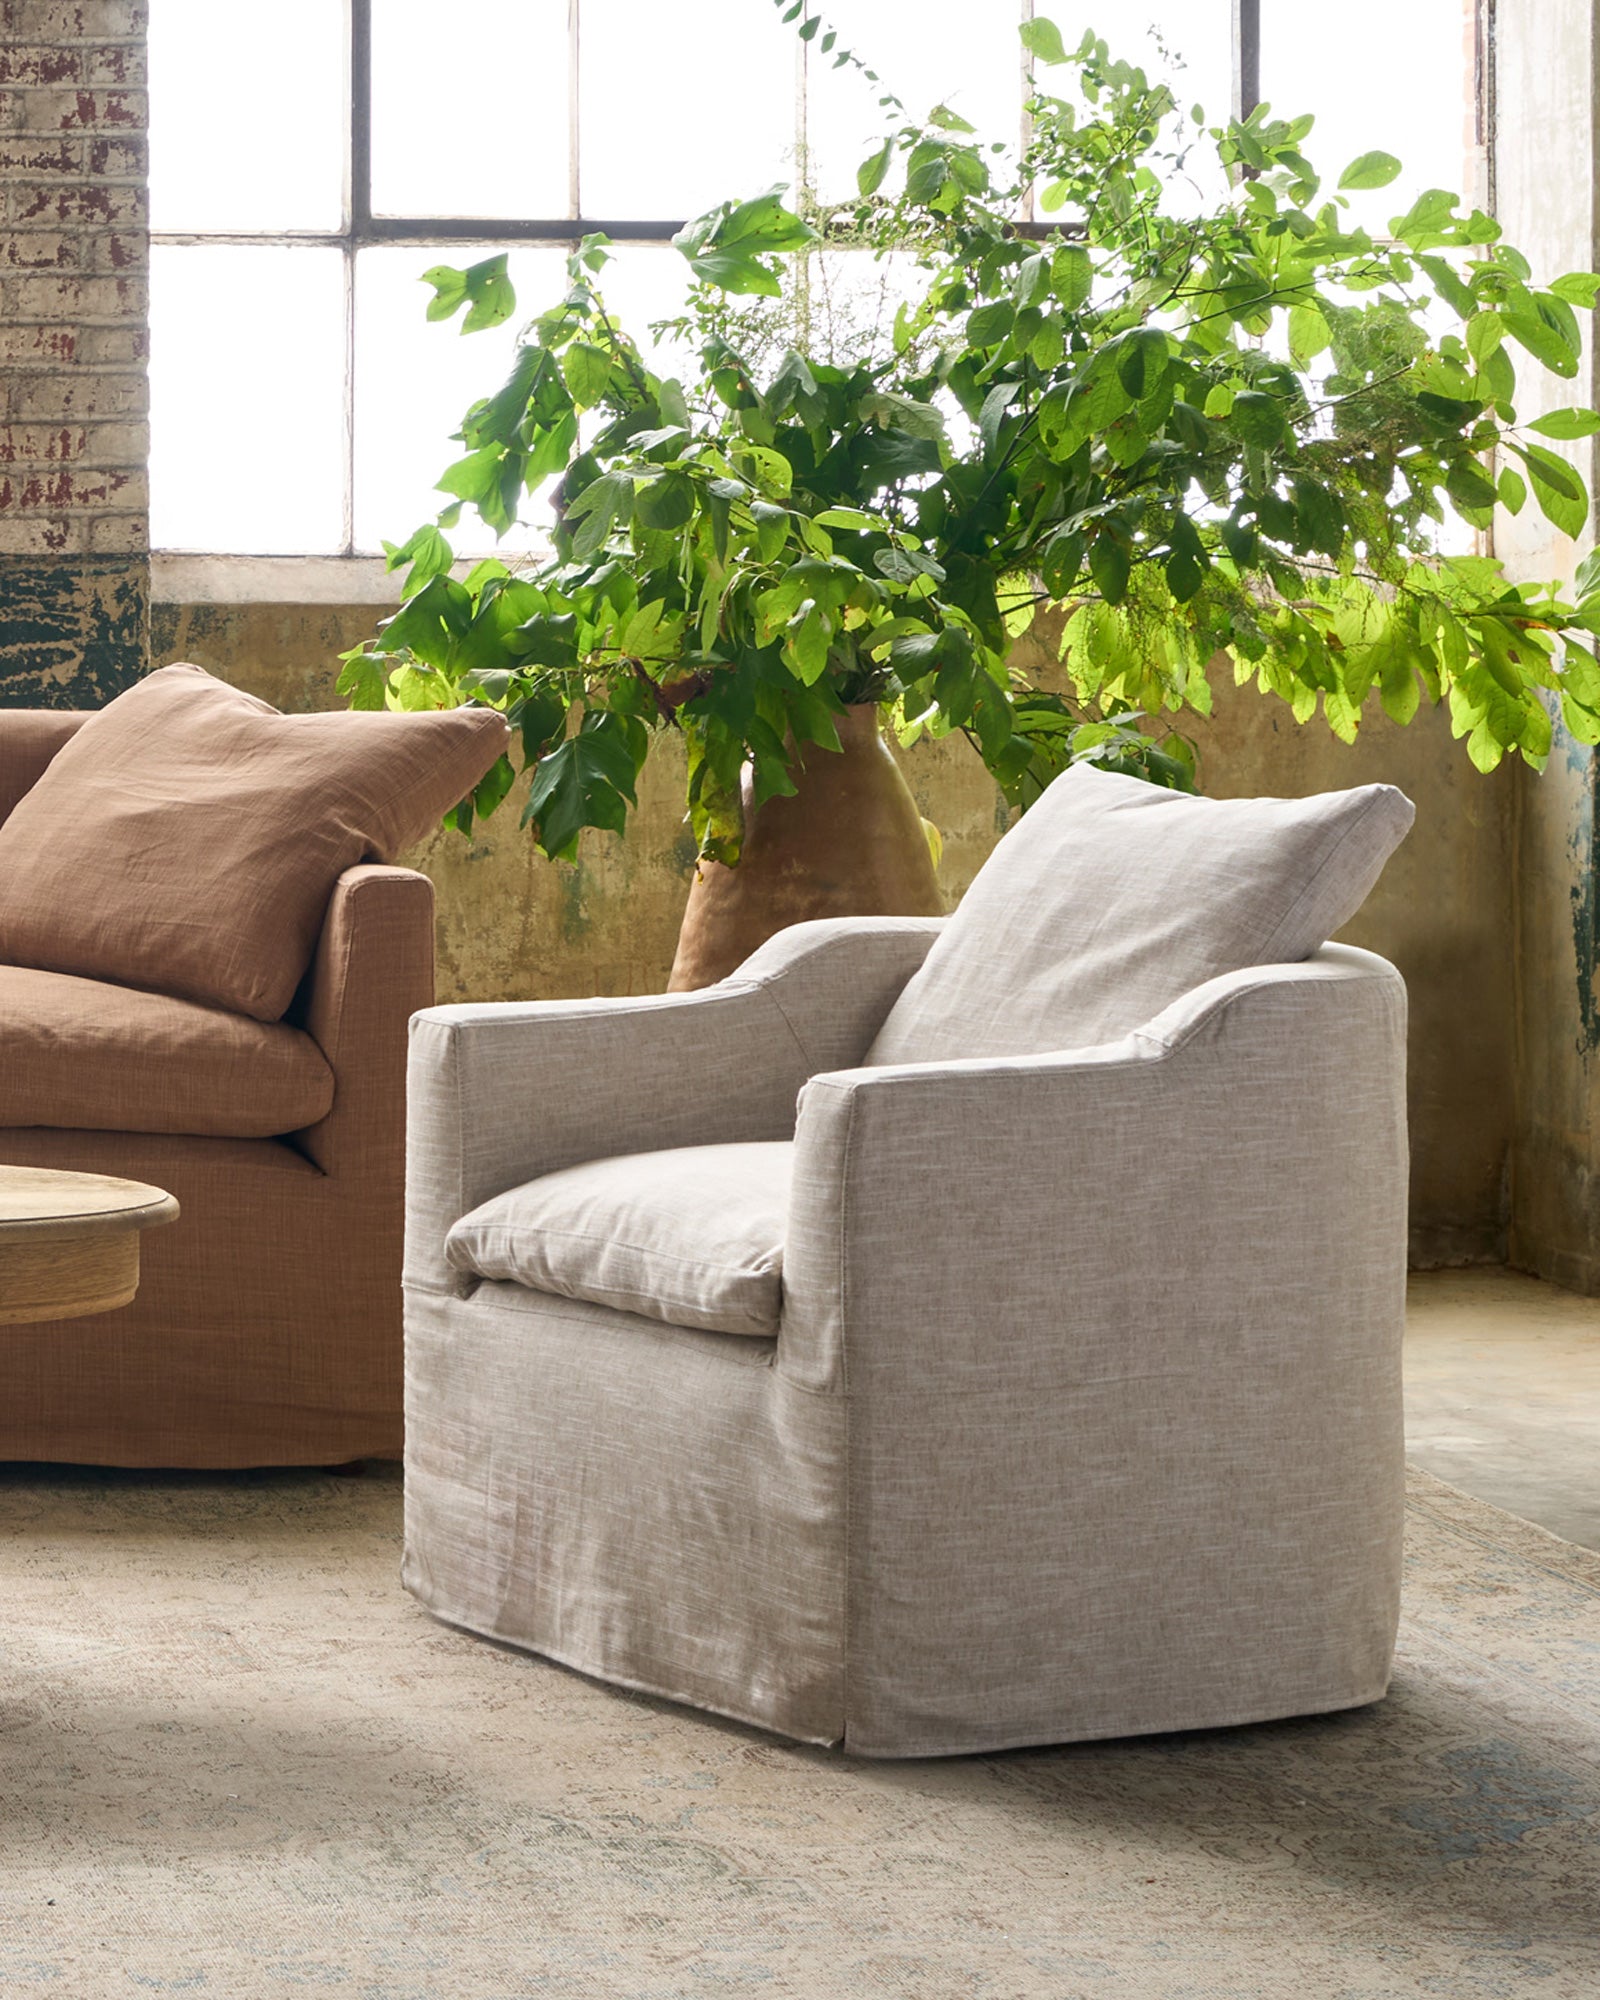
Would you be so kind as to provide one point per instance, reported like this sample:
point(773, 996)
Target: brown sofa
point(267, 1326)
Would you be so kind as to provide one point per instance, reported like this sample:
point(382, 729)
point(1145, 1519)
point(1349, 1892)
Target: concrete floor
point(1503, 1394)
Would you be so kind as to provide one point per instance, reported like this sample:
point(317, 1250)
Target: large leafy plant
point(1175, 442)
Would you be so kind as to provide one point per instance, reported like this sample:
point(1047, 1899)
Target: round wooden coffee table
point(69, 1243)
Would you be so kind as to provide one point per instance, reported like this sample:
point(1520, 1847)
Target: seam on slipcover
point(1340, 844)
point(616, 1294)
point(848, 1480)
point(769, 987)
point(537, 1229)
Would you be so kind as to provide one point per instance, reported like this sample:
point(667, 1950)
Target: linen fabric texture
point(186, 838)
point(82, 1054)
point(1112, 897)
point(993, 1481)
point(693, 1235)
point(266, 1330)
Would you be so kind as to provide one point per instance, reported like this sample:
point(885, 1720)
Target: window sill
point(202, 579)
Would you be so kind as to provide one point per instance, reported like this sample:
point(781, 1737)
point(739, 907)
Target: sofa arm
point(501, 1093)
point(1039, 1221)
point(29, 738)
point(372, 971)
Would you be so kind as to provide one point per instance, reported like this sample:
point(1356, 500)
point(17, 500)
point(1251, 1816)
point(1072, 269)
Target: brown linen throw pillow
point(187, 838)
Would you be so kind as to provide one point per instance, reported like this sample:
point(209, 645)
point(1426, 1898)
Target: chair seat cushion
point(693, 1236)
point(79, 1055)
point(1112, 898)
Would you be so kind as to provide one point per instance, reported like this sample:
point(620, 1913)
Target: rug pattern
point(236, 1762)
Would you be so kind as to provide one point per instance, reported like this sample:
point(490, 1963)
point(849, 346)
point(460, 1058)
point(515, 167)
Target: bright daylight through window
point(301, 403)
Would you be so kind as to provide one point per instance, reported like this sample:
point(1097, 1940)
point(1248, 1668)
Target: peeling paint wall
point(74, 526)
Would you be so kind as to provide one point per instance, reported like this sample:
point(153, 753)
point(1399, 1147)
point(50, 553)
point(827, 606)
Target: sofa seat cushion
point(693, 1236)
point(1112, 898)
point(187, 837)
point(79, 1055)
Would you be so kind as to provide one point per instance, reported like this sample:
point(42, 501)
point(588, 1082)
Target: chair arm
point(1038, 1221)
point(501, 1093)
point(373, 969)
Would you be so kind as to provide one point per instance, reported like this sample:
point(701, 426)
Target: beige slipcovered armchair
point(933, 1403)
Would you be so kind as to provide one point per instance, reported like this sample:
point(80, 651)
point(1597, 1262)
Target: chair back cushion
point(1112, 898)
point(186, 839)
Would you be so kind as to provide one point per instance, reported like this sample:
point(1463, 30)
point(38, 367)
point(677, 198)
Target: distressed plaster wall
point(1545, 165)
point(512, 925)
point(74, 526)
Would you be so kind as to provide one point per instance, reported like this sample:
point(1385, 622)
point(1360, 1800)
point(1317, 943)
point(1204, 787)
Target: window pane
point(247, 399)
point(415, 380)
point(931, 52)
point(1413, 103)
point(927, 52)
point(645, 283)
point(469, 108)
point(683, 107)
point(248, 113)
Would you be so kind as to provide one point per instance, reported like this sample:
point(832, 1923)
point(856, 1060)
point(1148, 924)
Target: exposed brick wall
point(74, 337)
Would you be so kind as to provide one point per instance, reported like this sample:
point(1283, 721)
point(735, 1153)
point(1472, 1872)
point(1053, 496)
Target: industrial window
point(307, 167)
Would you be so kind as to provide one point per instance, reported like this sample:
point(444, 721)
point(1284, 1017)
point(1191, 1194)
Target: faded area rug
point(235, 1760)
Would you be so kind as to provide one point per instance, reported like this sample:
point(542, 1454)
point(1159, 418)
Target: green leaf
point(990, 324)
point(428, 625)
point(1320, 515)
point(1141, 360)
point(1578, 288)
point(993, 414)
point(1544, 341)
point(664, 503)
point(364, 678)
point(1308, 334)
point(1110, 564)
point(907, 413)
point(732, 272)
point(1258, 418)
point(1511, 489)
point(1032, 280)
point(540, 718)
point(1042, 38)
point(772, 529)
point(490, 293)
point(586, 781)
point(493, 786)
point(449, 290)
point(545, 640)
point(871, 172)
point(586, 369)
point(1568, 423)
point(1557, 488)
point(1586, 583)
point(1372, 170)
point(773, 472)
point(1071, 275)
point(1485, 331)
point(595, 509)
point(807, 643)
point(428, 553)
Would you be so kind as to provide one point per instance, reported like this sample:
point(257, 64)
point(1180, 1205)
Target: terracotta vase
point(850, 843)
